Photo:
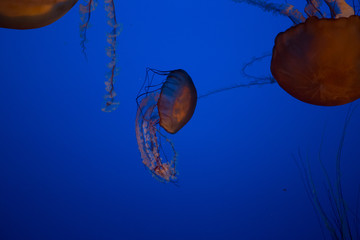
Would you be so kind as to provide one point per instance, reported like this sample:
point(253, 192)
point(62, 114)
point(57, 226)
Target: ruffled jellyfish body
point(318, 61)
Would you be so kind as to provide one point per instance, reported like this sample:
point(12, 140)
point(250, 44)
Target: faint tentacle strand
point(85, 13)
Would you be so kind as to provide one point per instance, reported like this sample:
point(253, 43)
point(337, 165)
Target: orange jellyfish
point(28, 14)
point(169, 107)
point(317, 60)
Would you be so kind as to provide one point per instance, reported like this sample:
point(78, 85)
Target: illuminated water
point(70, 171)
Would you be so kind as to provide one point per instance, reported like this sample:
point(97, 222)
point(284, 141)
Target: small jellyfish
point(169, 107)
point(25, 14)
point(318, 59)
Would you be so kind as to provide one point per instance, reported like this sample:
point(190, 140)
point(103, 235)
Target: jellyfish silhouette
point(317, 60)
point(28, 14)
point(338, 218)
point(168, 107)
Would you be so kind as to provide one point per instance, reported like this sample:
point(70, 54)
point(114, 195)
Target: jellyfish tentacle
point(255, 80)
point(356, 214)
point(308, 189)
point(110, 103)
point(85, 13)
point(234, 87)
point(258, 79)
point(144, 127)
point(295, 15)
point(147, 120)
point(339, 8)
point(338, 220)
point(282, 9)
point(312, 8)
point(343, 209)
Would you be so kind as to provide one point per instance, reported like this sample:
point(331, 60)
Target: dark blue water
point(70, 171)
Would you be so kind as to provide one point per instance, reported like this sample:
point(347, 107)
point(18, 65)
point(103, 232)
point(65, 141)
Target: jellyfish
point(317, 60)
point(25, 14)
point(30, 14)
point(170, 108)
point(337, 217)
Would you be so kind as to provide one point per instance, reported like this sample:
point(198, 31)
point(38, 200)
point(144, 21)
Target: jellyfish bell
point(318, 61)
point(177, 101)
point(169, 107)
point(28, 14)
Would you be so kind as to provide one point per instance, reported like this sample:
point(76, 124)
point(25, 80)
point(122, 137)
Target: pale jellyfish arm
point(339, 8)
point(312, 8)
point(282, 9)
point(294, 14)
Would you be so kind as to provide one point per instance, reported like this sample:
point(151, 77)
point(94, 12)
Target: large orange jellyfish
point(318, 59)
point(169, 107)
point(29, 14)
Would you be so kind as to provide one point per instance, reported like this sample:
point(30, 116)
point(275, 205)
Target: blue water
point(70, 171)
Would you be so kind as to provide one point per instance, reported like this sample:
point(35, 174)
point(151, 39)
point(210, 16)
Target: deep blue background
point(70, 171)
